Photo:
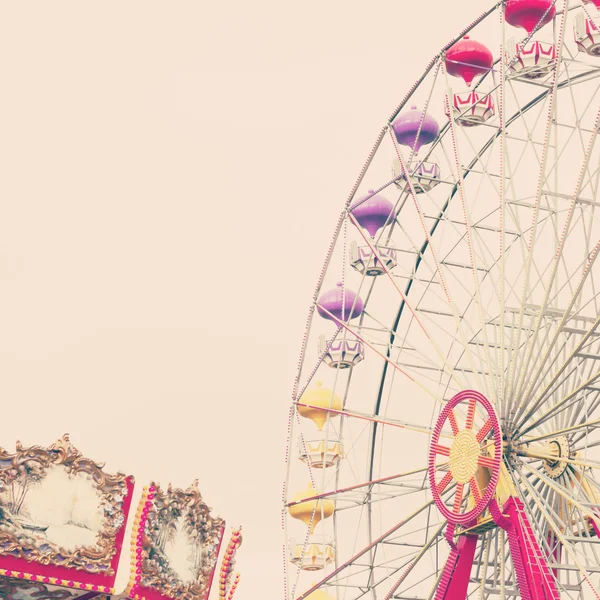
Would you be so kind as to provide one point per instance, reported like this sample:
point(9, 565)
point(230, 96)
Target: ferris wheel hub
point(464, 453)
point(470, 464)
point(555, 454)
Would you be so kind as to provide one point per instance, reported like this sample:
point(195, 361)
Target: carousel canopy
point(63, 525)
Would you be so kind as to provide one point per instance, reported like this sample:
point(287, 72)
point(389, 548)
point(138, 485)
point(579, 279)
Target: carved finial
point(64, 448)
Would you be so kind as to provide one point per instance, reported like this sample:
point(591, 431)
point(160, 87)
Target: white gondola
point(320, 453)
point(367, 262)
point(532, 60)
point(424, 175)
point(341, 353)
point(471, 109)
point(316, 554)
point(587, 35)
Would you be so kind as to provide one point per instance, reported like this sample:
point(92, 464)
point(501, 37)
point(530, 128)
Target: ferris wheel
point(444, 432)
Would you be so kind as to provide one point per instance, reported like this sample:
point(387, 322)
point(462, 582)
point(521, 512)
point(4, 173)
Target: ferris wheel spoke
point(430, 246)
point(594, 424)
point(458, 496)
point(474, 488)
point(565, 315)
point(439, 449)
point(357, 335)
point(549, 386)
point(405, 568)
point(565, 493)
point(338, 493)
point(470, 245)
point(559, 424)
point(365, 417)
point(473, 331)
point(375, 584)
point(415, 561)
point(487, 427)
point(453, 423)
point(405, 301)
point(470, 329)
point(535, 216)
point(471, 413)
point(557, 258)
point(334, 574)
point(532, 424)
point(560, 328)
point(444, 483)
point(582, 481)
point(484, 461)
point(528, 266)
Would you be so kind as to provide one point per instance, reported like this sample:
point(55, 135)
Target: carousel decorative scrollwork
point(24, 534)
point(180, 545)
point(17, 590)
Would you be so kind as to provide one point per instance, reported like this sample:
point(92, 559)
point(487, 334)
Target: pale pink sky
point(171, 176)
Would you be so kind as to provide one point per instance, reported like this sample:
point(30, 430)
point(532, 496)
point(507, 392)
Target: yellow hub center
point(464, 453)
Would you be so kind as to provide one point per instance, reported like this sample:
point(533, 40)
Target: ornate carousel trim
point(26, 468)
point(152, 577)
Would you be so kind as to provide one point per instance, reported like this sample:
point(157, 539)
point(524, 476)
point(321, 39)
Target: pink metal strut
point(457, 571)
point(533, 575)
point(595, 527)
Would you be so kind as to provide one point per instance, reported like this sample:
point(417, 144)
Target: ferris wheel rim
point(455, 516)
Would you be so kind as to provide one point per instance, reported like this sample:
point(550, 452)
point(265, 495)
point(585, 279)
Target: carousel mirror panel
point(62, 522)
point(177, 545)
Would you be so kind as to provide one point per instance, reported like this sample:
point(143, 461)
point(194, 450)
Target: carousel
point(64, 521)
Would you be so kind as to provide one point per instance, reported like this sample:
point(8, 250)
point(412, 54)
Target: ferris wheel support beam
point(455, 578)
point(533, 574)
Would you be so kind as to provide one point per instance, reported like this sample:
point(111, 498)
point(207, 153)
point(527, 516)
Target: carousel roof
point(63, 523)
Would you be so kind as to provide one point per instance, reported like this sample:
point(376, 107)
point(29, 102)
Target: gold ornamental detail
point(464, 453)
